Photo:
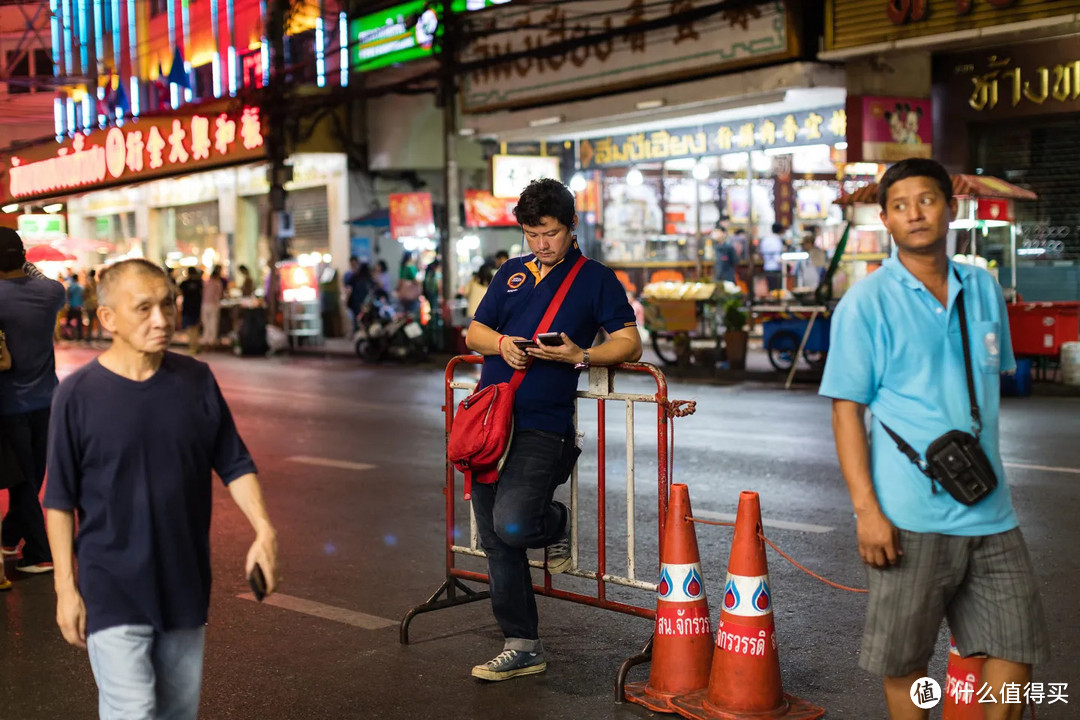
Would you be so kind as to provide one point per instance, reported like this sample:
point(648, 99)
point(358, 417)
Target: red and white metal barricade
point(454, 592)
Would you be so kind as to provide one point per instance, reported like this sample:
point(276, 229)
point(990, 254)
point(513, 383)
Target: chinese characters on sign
point(812, 127)
point(150, 147)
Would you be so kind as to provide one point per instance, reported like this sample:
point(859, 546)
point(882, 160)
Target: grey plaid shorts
point(984, 586)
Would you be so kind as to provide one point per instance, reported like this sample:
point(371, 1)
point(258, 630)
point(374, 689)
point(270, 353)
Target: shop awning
point(380, 217)
point(982, 186)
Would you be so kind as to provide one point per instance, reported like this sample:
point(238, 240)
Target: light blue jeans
point(143, 674)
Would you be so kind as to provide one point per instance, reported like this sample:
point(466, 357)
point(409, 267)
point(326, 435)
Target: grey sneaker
point(558, 553)
point(510, 664)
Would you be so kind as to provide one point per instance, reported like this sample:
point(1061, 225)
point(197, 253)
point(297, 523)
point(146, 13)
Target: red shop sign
point(411, 215)
point(994, 209)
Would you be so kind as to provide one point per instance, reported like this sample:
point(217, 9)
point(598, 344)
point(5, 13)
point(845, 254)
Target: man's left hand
point(568, 352)
point(264, 552)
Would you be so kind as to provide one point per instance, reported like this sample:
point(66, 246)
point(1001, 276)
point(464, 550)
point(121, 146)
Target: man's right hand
point(514, 356)
point(71, 617)
point(879, 540)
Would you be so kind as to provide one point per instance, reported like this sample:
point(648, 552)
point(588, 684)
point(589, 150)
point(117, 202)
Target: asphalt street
point(351, 461)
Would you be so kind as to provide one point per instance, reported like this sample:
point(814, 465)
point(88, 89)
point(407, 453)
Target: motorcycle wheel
point(370, 350)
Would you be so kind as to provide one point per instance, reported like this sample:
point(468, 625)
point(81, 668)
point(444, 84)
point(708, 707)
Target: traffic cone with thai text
point(745, 677)
point(963, 678)
point(682, 640)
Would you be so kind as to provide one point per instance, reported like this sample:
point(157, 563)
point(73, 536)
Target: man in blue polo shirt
point(897, 349)
point(133, 438)
point(518, 512)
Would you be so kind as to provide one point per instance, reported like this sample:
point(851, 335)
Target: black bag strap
point(976, 417)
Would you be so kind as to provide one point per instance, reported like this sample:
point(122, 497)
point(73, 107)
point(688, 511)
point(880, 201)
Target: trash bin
point(1019, 383)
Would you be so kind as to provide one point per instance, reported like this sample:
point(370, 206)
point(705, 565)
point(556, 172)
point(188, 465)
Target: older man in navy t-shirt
point(134, 437)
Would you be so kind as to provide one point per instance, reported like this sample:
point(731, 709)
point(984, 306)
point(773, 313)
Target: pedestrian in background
point(477, 287)
point(29, 304)
point(382, 278)
point(247, 283)
point(900, 348)
point(75, 307)
point(772, 247)
point(136, 434)
point(408, 288)
point(191, 292)
point(213, 291)
point(725, 257)
point(518, 512)
point(500, 258)
point(359, 285)
point(9, 469)
point(90, 306)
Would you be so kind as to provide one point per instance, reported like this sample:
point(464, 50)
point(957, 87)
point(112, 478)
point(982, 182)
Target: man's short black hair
point(545, 198)
point(502, 254)
point(915, 167)
point(777, 228)
point(12, 252)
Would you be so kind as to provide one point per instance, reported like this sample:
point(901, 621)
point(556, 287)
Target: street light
point(634, 178)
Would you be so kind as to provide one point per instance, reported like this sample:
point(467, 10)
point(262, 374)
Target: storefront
point(1013, 111)
point(183, 190)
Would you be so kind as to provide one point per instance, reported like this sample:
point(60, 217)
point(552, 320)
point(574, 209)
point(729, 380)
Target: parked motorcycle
point(384, 334)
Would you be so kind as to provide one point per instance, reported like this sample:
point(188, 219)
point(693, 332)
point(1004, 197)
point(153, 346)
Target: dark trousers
point(518, 513)
point(26, 434)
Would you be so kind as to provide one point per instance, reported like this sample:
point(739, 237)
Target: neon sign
point(150, 147)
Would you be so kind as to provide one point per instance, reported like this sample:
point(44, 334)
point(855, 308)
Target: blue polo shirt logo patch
point(516, 280)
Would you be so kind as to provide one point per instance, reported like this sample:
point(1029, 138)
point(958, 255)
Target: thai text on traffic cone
point(682, 640)
point(745, 677)
point(962, 682)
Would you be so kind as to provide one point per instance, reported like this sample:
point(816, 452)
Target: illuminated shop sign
point(402, 33)
point(140, 150)
point(823, 126)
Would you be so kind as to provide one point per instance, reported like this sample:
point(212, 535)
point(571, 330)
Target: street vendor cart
point(682, 322)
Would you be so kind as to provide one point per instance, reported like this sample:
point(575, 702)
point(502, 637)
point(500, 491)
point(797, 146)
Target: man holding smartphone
point(133, 438)
point(518, 512)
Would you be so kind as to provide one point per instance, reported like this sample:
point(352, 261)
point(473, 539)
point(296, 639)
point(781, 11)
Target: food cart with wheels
point(681, 318)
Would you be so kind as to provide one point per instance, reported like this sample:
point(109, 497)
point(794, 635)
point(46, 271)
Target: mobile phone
point(257, 581)
point(551, 339)
point(524, 344)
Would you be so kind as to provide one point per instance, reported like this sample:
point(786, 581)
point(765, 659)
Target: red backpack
point(480, 435)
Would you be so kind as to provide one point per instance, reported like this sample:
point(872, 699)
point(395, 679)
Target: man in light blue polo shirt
point(897, 349)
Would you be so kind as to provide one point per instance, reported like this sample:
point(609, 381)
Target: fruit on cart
point(679, 291)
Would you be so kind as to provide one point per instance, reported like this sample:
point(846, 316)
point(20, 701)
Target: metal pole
point(752, 235)
point(1012, 251)
point(452, 217)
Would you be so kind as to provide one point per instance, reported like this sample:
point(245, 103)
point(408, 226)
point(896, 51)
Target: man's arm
point(70, 610)
point(879, 540)
point(485, 341)
point(247, 495)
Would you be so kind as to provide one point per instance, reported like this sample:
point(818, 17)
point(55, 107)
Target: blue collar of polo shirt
point(534, 267)
point(959, 271)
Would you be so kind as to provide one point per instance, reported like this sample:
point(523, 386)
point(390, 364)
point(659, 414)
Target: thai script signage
point(534, 55)
point(140, 150)
point(1030, 79)
point(851, 23)
point(809, 127)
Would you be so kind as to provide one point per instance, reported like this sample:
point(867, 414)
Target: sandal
point(5, 584)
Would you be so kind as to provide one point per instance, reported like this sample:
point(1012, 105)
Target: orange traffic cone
point(745, 678)
point(963, 678)
point(682, 639)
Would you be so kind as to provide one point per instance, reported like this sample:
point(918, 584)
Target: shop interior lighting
point(543, 122)
point(14, 207)
point(968, 224)
point(578, 183)
point(189, 261)
point(1031, 251)
point(701, 170)
point(794, 256)
point(840, 146)
point(649, 104)
point(327, 258)
point(53, 208)
point(466, 131)
point(634, 178)
point(468, 242)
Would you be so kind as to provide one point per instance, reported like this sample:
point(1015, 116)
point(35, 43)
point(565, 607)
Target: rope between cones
point(783, 554)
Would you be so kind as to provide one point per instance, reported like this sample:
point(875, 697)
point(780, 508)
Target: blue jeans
point(518, 513)
point(143, 674)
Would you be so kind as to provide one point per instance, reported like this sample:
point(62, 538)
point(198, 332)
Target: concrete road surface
point(350, 457)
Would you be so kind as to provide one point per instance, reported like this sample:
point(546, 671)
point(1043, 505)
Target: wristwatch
point(584, 361)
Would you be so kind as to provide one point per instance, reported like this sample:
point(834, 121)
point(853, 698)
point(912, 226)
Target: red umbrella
point(46, 253)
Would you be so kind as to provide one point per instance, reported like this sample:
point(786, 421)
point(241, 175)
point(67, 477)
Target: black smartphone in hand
point(257, 581)
point(551, 339)
point(524, 344)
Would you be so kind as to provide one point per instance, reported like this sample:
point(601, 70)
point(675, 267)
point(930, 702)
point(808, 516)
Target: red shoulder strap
point(552, 310)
